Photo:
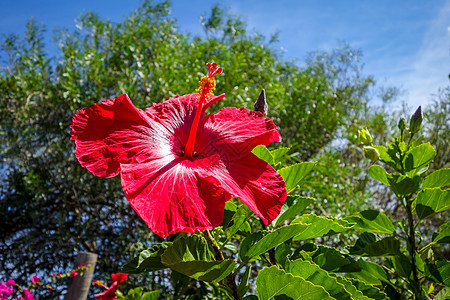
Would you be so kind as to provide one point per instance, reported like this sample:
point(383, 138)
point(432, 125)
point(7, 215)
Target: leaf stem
point(231, 282)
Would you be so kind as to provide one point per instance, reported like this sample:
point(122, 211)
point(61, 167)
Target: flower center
point(205, 90)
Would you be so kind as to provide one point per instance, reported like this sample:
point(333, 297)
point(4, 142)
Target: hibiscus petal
point(252, 180)
point(235, 132)
point(173, 195)
point(116, 132)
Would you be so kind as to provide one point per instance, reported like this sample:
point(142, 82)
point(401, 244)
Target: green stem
point(412, 243)
point(231, 282)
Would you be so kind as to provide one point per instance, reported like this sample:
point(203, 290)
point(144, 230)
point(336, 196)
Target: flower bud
point(416, 121)
point(365, 137)
point(371, 153)
point(402, 124)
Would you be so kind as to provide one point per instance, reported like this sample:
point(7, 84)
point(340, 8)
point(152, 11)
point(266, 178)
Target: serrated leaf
point(272, 282)
point(263, 153)
point(369, 290)
point(437, 179)
point(379, 173)
point(369, 245)
point(294, 174)
point(148, 260)
point(431, 201)
point(418, 157)
point(348, 285)
point(313, 273)
point(277, 154)
point(372, 221)
point(320, 226)
point(292, 207)
point(259, 243)
point(193, 257)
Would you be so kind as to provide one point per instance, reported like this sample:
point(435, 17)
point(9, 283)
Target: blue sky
point(405, 43)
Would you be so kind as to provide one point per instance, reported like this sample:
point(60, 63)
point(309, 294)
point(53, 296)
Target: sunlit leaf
point(291, 208)
point(262, 152)
point(379, 173)
point(294, 174)
point(372, 221)
point(431, 201)
point(320, 226)
point(273, 283)
point(419, 156)
point(436, 179)
point(313, 273)
point(258, 242)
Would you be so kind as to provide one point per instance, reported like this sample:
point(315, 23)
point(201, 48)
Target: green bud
point(402, 124)
point(371, 153)
point(365, 137)
point(416, 121)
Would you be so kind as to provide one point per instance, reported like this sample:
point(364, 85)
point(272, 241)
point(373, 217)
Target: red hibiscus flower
point(178, 167)
point(110, 293)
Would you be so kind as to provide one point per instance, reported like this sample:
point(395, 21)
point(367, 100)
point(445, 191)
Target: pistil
point(205, 90)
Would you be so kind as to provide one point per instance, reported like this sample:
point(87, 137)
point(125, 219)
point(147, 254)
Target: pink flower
point(26, 295)
point(178, 167)
point(110, 293)
point(10, 283)
point(35, 279)
point(74, 273)
point(5, 290)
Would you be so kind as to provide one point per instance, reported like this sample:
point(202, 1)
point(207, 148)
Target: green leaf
point(153, 295)
point(291, 208)
point(330, 259)
point(402, 265)
point(437, 179)
point(418, 157)
point(402, 185)
point(379, 173)
point(192, 257)
point(368, 245)
point(320, 226)
point(443, 237)
point(258, 243)
point(148, 260)
point(239, 218)
point(348, 285)
point(431, 201)
point(272, 282)
point(369, 290)
point(313, 273)
point(372, 221)
point(384, 155)
point(294, 174)
point(243, 285)
point(443, 267)
point(371, 273)
point(262, 152)
point(443, 294)
point(279, 153)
